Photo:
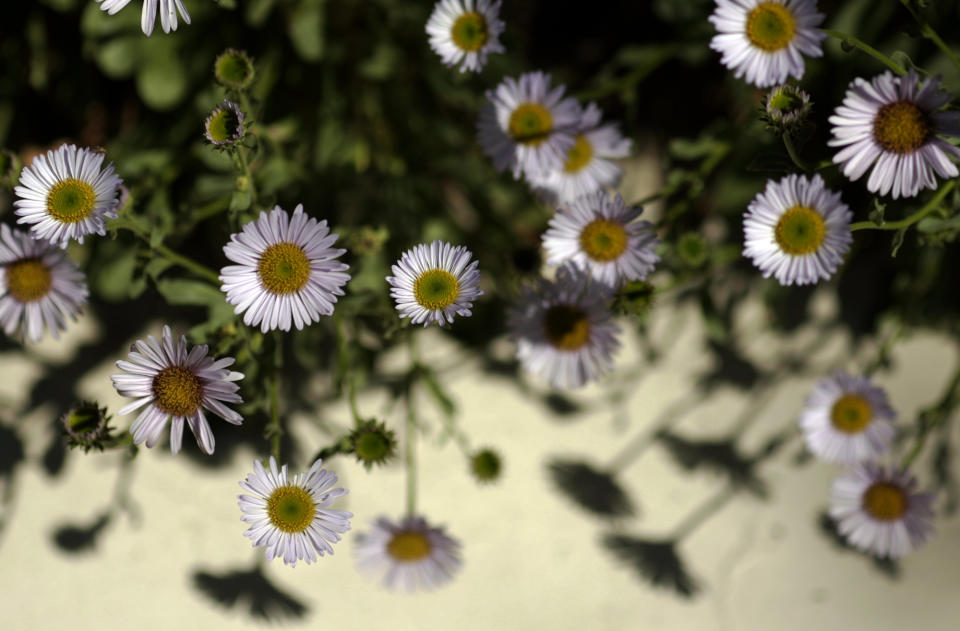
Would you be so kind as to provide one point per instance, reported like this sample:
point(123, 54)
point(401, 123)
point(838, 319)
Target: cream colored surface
point(532, 559)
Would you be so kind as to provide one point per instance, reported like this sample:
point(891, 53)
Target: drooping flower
point(39, 286)
point(587, 167)
point(409, 554)
point(892, 124)
point(433, 283)
point(289, 516)
point(176, 383)
point(65, 194)
point(880, 511)
point(224, 126)
point(465, 31)
point(287, 271)
point(528, 127)
point(847, 420)
point(797, 230)
point(148, 16)
point(601, 235)
point(563, 329)
point(766, 39)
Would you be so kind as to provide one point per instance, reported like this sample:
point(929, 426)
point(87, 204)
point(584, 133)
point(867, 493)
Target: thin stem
point(792, 152)
point(275, 429)
point(906, 222)
point(927, 31)
point(867, 48)
point(188, 263)
point(934, 416)
point(410, 460)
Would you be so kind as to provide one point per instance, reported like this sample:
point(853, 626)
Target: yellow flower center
point(223, 126)
point(291, 508)
point(530, 124)
point(436, 289)
point(579, 155)
point(71, 200)
point(408, 546)
point(177, 391)
point(469, 32)
point(28, 280)
point(770, 26)
point(885, 501)
point(603, 240)
point(851, 414)
point(567, 327)
point(901, 127)
point(801, 230)
point(283, 268)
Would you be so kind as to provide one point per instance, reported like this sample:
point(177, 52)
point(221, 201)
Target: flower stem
point(867, 48)
point(906, 222)
point(792, 152)
point(934, 416)
point(275, 429)
point(928, 31)
point(187, 263)
point(410, 427)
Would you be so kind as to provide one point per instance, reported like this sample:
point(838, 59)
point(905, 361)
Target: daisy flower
point(797, 230)
point(891, 123)
point(766, 39)
point(148, 16)
point(432, 283)
point(289, 517)
point(178, 383)
point(287, 270)
point(847, 420)
point(410, 554)
point(465, 30)
point(39, 286)
point(65, 195)
point(880, 512)
point(586, 167)
point(563, 329)
point(600, 234)
point(527, 126)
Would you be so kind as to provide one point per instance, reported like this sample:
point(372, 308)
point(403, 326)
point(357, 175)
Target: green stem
point(792, 152)
point(906, 222)
point(867, 48)
point(934, 416)
point(927, 31)
point(275, 429)
point(187, 263)
point(410, 461)
point(703, 512)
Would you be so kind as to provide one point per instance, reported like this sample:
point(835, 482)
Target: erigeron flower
point(148, 16)
point(465, 31)
point(65, 194)
point(587, 167)
point(892, 124)
point(786, 106)
point(602, 235)
point(39, 286)
point(409, 554)
point(847, 420)
point(797, 230)
point(234, 69)
point(563, 329)
point(287, 272)
point(528, 127)
point(766, 39)
point(433, 283)
point(289, 516)
point(880, 511)
point(176, 383)
point(224, 126)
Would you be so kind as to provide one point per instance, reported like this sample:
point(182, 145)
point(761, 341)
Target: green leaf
point(897, 242)
point(240, 201)
point(118, 58)
point(161, 81)
point(180, 291)
point(305, 27)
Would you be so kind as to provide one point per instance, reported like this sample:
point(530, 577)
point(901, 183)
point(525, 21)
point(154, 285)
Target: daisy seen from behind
point(410, 554)
point(528, 126)
point(766, 40)
point(880, 512)
point(465, 31)
point(797, 230)
point(891, 124)
point(177, 383)
point(289, 517)
point(286, 271)
point(148, 16)
point(39, 286)
point(847, 420)
point(563, 329)
point(600, 234)
point(433, 283)
point(587, 166)
point(67, 194)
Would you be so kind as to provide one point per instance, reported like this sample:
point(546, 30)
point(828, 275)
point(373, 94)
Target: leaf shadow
point(75, 539)
point(718, 456)
point(828, 527)
point(251, 591)
point(656, 562)
point(595, 491)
